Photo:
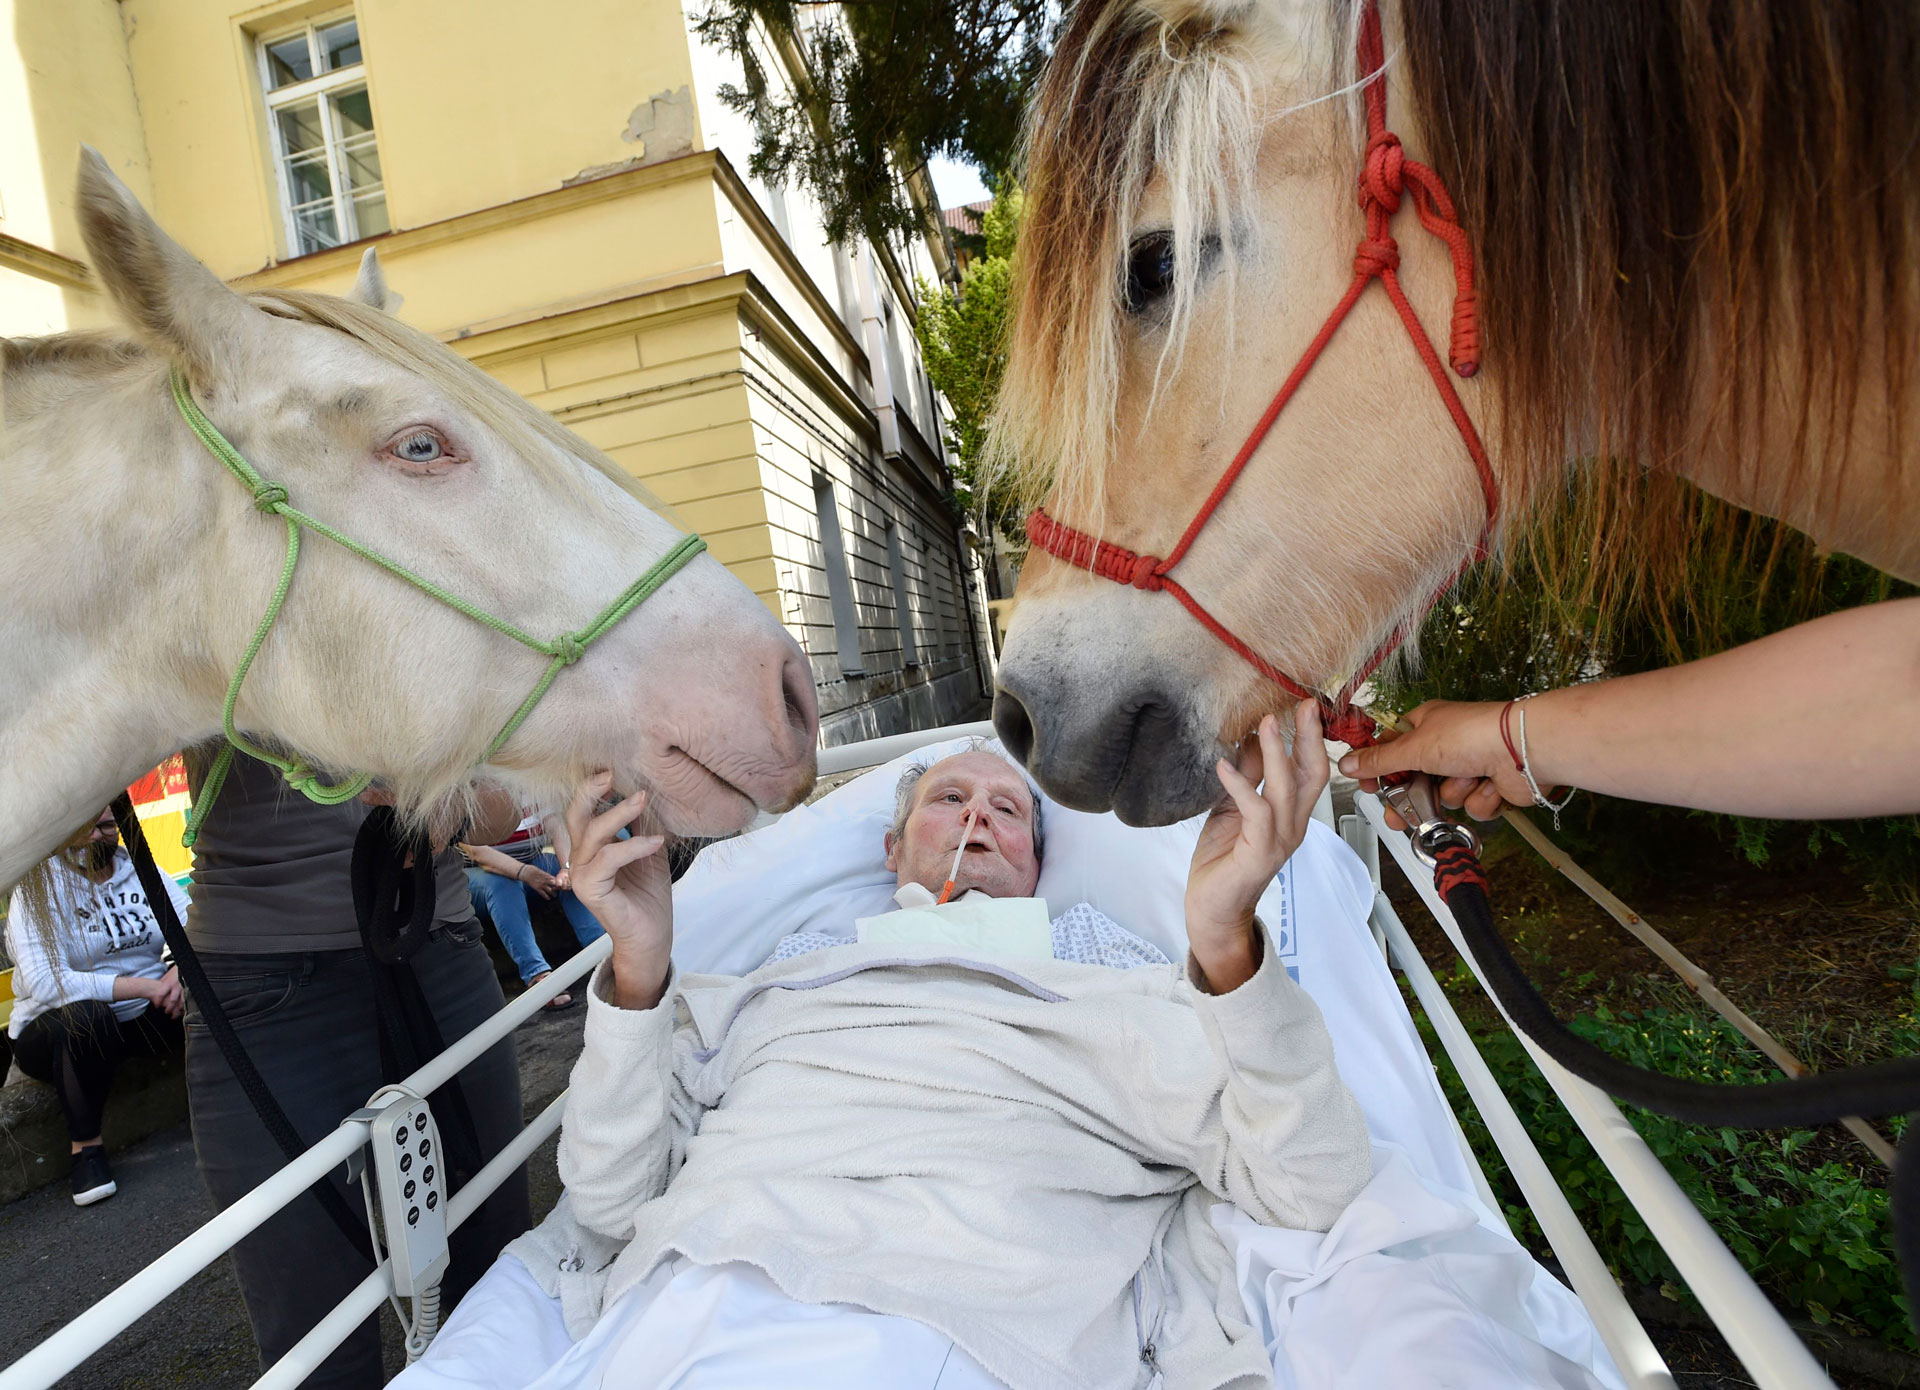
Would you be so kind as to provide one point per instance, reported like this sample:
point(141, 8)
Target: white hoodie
point(100, 932)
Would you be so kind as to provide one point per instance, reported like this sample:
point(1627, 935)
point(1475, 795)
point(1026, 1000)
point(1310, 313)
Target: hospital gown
point(1081, 934)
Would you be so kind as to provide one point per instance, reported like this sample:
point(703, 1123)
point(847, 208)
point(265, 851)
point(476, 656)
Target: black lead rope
point(395, 892)
point(212, 1013)
point(1882, 1088)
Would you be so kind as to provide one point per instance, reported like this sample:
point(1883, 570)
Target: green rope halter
point(271, 498)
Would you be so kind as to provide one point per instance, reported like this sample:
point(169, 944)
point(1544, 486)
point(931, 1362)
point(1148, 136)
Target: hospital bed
point(1433, 1223)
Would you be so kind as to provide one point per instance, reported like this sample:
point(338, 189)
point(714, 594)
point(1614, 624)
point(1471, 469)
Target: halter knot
point(1384, 173)
point(1375, 256)
point(269, 496)
point(1349, 724)
point(568, 649)
point(1144, 572)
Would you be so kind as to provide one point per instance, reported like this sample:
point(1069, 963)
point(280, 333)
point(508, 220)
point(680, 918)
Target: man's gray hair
point(910, 780)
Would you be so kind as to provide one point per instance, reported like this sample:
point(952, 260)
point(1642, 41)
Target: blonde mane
point(1140, 90)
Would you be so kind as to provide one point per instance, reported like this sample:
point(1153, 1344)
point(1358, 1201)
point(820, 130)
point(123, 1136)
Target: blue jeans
point(505, 900)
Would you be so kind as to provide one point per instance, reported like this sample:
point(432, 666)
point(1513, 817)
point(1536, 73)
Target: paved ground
point(56, 1258)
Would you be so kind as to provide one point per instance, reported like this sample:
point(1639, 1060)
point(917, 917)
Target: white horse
point(135, 568)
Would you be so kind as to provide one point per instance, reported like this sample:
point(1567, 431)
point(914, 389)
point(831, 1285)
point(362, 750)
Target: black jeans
point(308, 1022)
point(77, 1049)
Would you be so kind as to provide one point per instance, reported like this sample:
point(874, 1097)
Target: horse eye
point(422, 446)
point(1149, 271)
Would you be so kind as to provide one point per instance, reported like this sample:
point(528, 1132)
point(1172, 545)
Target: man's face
point(999, 858)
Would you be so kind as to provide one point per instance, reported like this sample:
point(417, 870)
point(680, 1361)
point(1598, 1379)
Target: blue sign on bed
point(1283, 928)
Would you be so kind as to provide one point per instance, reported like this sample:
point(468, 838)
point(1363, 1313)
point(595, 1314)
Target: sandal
point(559, 1001)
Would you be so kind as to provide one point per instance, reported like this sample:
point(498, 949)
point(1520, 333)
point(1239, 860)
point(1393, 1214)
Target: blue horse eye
point(420, 448)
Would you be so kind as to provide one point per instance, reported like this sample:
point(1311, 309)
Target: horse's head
point(1190, 221)
point(400, 444)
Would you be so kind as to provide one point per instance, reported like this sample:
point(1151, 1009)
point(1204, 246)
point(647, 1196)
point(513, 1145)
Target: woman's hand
point(163, 993)
point(1246, 840)
point(1459, 743)
point(626, 885)
point(167, 993)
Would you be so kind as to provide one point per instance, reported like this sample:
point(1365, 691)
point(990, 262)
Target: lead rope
point(213, 1013)
point(271, 498)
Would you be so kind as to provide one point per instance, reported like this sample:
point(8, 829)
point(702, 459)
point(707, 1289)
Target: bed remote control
point(410, 1186)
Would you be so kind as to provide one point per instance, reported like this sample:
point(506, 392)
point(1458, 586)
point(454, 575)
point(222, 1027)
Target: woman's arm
point(493, 861)
point(1821, 720)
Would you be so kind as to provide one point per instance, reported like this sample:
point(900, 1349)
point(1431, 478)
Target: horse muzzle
point(1138, 751)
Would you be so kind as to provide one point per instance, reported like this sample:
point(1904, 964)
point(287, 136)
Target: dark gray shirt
point(270, 869)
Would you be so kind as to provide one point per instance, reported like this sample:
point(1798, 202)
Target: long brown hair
point(38, 891)
point(1662, 194)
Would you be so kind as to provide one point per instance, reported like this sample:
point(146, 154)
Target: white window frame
point(316, 88)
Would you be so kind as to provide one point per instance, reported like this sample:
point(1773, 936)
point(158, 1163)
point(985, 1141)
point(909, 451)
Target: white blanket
point(1419, 1284)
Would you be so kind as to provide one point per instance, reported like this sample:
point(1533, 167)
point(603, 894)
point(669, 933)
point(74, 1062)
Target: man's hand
point(1246, 840)
point(626, 885)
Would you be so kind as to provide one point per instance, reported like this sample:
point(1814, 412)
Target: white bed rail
point(1757, 1333)
point(112, 1315)
point(1753, 1327)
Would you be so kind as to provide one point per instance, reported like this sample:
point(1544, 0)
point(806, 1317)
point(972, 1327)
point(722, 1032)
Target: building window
point(833, 553)
point(324, 151)
point(952, 624)
point(902, 607)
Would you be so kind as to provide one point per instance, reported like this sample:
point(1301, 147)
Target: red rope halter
point(1386, 173)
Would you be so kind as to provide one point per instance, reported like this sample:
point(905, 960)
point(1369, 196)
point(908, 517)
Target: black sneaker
point(92, 1179)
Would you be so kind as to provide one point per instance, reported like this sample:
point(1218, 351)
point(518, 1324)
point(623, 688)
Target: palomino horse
point(135, 568)
point(1684, 242)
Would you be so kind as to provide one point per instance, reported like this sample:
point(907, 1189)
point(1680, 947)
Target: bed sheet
point(1419, 1284)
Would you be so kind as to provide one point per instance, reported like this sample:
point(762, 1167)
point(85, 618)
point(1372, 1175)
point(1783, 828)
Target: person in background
point(501, 878)
point(274, 927)
point(91, 985)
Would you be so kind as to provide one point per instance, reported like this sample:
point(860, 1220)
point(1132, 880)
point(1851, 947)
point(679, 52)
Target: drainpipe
point(874, 330)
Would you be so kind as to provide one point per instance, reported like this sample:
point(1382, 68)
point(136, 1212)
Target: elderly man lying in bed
point(938, 1152)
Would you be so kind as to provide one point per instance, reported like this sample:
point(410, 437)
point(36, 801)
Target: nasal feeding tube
point(966, 833)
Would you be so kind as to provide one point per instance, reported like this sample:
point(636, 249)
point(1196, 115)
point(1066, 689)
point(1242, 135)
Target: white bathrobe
point(1021, 1154)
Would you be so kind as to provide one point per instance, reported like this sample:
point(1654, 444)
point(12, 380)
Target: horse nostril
point(796, 688)
point(1013, 724)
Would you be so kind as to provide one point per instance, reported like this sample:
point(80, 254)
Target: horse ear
point(370, 286)
point(172, 299)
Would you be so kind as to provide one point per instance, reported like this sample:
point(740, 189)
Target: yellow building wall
point(470, 108)
point(657, 383)
point(64, 81)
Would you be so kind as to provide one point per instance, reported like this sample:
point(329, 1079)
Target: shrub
point(1814, 1231)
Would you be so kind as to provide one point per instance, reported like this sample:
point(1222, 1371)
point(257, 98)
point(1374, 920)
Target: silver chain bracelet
point(1540, 798)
